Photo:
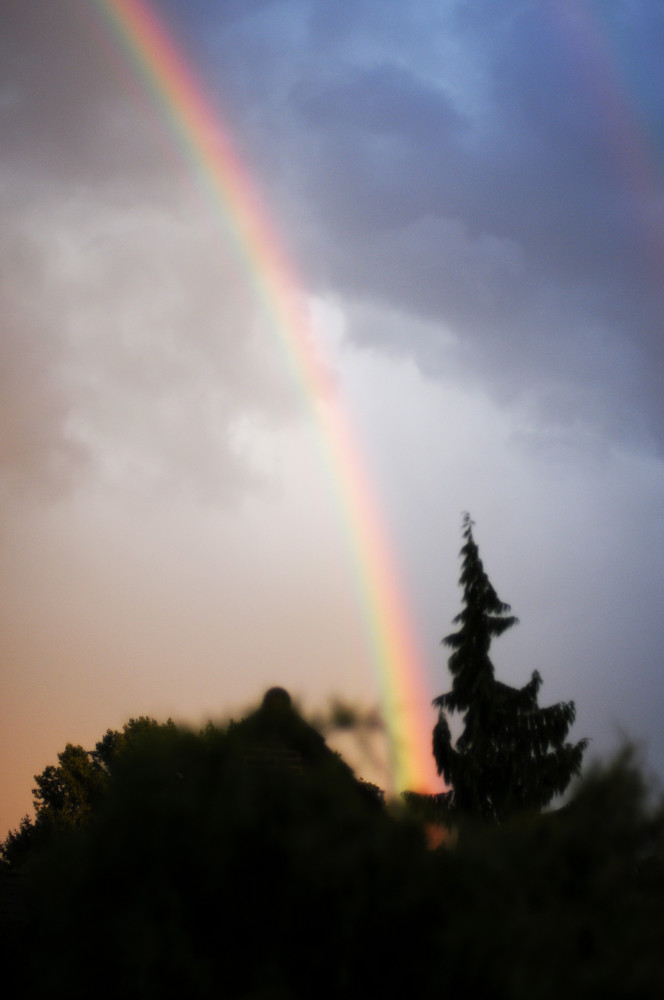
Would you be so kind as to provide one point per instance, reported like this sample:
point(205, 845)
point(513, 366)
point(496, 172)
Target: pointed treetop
point(511, 754)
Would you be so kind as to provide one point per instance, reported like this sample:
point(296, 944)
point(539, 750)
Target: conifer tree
point(511, 755)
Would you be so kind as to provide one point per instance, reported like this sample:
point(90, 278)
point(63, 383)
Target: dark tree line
point(248, 862)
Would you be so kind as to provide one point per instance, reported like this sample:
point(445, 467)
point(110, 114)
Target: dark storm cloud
point(493, 168)
point(368, 124)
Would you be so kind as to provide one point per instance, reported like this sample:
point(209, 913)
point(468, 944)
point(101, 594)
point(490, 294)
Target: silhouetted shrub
point(218, 866)
point(249, 862)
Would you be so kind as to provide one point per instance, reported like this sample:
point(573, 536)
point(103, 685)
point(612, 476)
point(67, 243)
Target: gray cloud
point(61, 97)
point(132, 339)
point(34, 447)
point(493, 170)
point(485, 171)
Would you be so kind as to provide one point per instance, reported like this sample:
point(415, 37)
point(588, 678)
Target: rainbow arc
point(154, 59)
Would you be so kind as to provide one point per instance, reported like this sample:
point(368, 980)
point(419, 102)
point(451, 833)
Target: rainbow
point(155, 62)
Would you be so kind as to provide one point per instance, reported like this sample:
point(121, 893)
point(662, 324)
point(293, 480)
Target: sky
point(472, 196)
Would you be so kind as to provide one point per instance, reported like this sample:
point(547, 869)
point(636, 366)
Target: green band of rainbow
point(154, 58)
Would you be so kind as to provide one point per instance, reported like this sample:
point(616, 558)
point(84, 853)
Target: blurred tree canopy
point(247, 861)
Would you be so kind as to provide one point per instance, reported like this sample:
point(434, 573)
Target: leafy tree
point(243, 862)
point(68, 790)
point(512, 755)
point(67, 793)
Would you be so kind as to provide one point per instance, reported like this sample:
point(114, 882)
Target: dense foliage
point(512, 755)
point(240, 861)
point(248, 862)
point(67, 793)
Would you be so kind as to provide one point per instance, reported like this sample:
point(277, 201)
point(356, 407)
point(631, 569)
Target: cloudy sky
point(472, 194)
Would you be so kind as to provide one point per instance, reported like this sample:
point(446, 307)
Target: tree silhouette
point(512, 755)
point(67, 794)
point(246, 861)
point(243, 861)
